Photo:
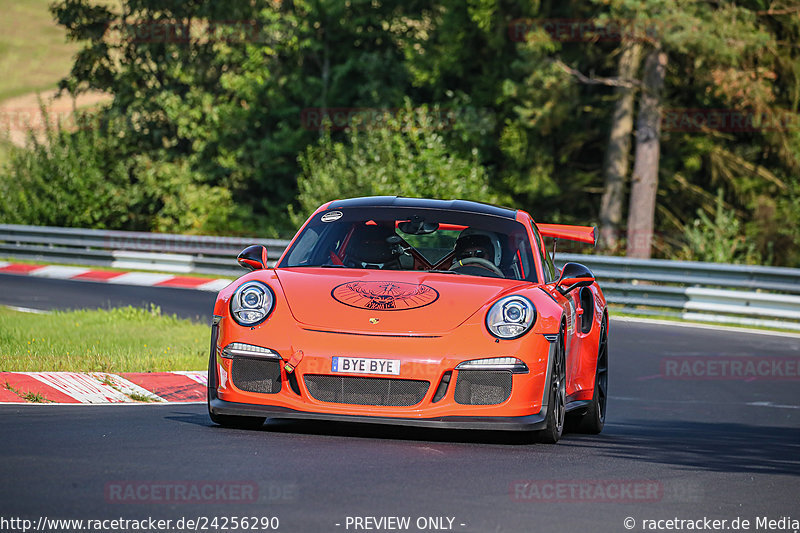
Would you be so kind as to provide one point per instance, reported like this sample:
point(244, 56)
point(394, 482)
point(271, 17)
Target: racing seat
point(370, 248)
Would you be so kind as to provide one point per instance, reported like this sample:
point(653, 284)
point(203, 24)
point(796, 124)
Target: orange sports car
point(445, 314)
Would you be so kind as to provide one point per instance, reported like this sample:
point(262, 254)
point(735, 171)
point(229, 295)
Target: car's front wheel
point(556, 406)
point(593, 420)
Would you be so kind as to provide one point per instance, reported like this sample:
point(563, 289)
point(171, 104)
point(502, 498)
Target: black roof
point(447, 205)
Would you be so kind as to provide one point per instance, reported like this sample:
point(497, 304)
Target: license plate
point(362, 365)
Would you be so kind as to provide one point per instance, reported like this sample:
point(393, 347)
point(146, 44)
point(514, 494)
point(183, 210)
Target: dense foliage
point(74, 177)
point(218, 119)
point(397, 158)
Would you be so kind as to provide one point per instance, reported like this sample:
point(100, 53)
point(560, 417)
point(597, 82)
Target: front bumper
point(290, 398)
point(503, 423)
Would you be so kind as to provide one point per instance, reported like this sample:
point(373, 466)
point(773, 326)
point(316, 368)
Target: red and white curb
point(101, 387)
point(107, 276)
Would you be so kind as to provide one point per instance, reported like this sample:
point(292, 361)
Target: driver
point(370, 247)
point(478, 244)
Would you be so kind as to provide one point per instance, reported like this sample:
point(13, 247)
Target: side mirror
point(574, 275)
point(253, 257)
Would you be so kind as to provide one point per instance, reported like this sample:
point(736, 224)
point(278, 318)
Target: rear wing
point(587, 234)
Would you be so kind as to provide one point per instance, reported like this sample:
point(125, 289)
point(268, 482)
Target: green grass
point(5, 150)
point(34, 52)
point(32, 397)
point(136, 397)
point(35, 397)
point(118, 340)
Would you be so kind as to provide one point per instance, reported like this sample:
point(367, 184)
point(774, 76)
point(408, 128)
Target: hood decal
point(384, 295)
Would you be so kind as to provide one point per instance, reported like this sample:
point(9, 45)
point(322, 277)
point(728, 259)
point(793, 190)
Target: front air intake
point(480, 387)
point(256, 375)
point(366, 391)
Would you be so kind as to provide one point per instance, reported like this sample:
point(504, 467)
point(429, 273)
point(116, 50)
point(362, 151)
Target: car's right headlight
point(252, 303)
point(510, 317)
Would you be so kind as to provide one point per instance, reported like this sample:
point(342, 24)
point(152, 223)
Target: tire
point(556, 405)
point(231, 421)
point(593, 420)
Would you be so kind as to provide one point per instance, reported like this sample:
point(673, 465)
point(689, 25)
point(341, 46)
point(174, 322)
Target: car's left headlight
point(252, 303)
point(510, 317)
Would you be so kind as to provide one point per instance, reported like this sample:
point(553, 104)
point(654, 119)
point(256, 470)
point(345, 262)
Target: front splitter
point(501, 423)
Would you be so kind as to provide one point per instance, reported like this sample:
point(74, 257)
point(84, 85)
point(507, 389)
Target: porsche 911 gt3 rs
point(414, 312)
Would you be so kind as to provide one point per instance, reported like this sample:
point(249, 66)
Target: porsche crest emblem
point(384, 295)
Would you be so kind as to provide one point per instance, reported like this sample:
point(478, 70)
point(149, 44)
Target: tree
point(644, 182)
point(405, 156)
point(615, 165)
point(202, 104)
point(721, 55)
point(221, 88)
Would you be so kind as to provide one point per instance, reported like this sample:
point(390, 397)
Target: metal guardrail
point(711, 292)
point(708, 292)
point(165, 252)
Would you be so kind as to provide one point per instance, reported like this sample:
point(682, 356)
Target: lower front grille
point(366, 391)
point(256, 375)
point(482, 387)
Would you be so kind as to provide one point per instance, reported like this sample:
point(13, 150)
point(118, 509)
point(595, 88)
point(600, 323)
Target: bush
point(64, 178)
point(79, 177)
point(403, 158)
point(720, 240)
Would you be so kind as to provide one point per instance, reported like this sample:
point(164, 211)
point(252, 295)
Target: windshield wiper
point(445, 272)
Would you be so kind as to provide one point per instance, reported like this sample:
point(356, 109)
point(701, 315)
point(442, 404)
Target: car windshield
point(417, 239)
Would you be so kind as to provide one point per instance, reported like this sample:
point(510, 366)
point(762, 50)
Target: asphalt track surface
point(693, 448)
point(32, 292)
